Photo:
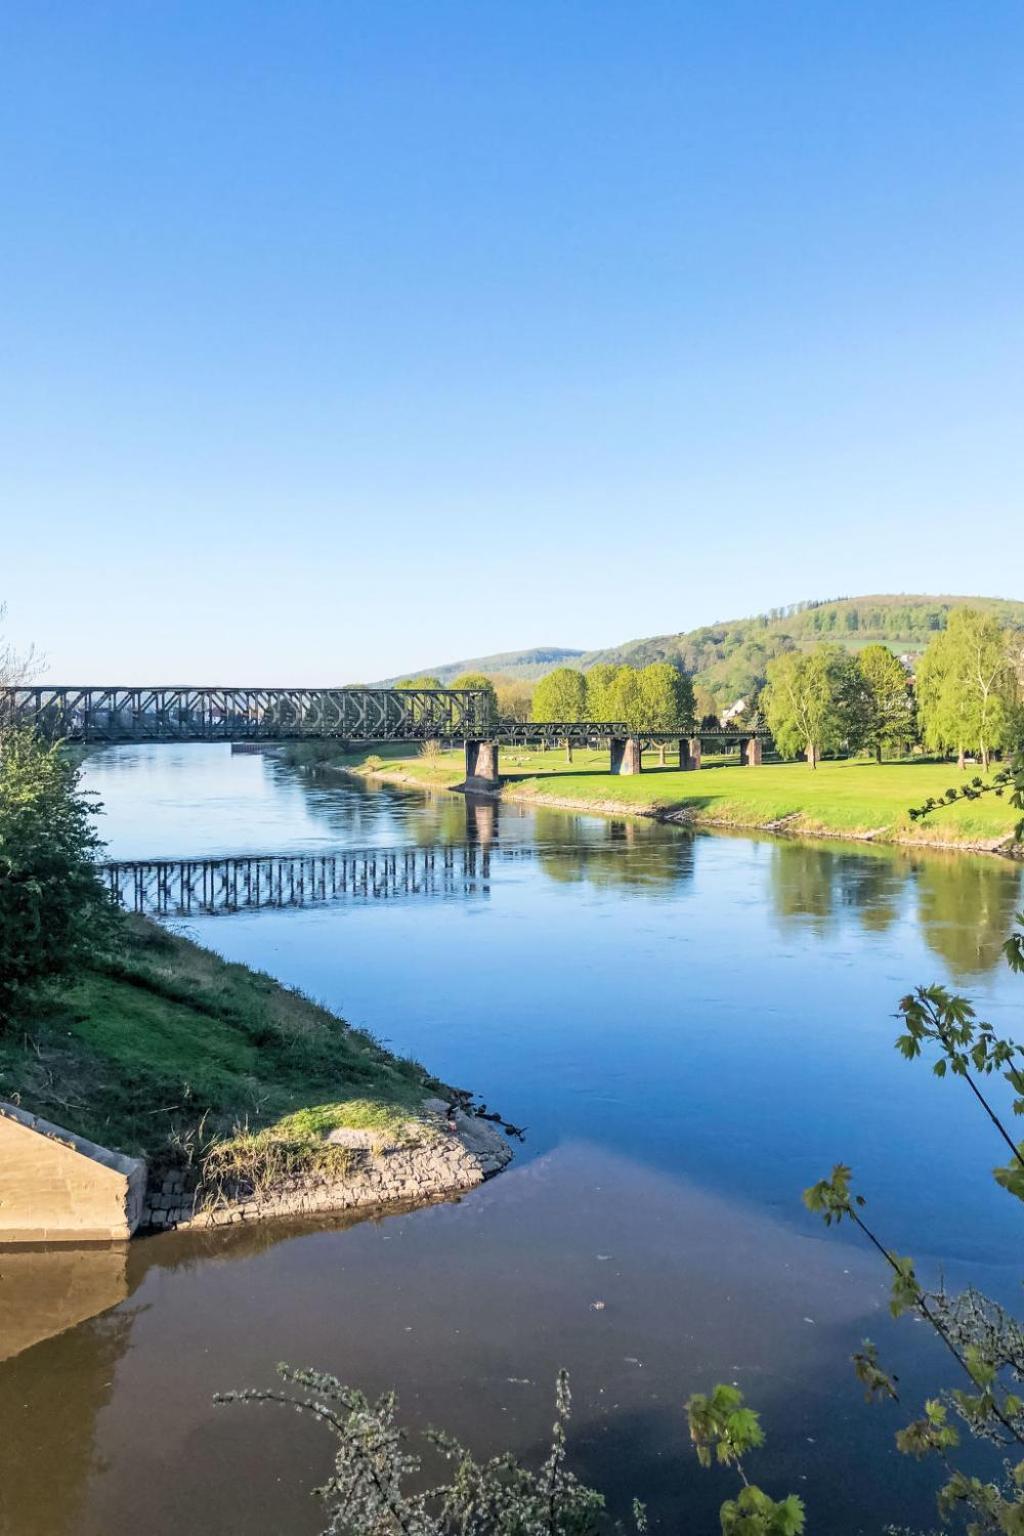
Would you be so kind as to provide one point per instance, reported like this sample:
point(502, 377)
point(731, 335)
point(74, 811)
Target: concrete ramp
point(56, 1187)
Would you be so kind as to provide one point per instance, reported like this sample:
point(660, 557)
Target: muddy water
point(692, 1029)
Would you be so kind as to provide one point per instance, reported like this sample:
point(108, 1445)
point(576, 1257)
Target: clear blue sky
point(339, 337)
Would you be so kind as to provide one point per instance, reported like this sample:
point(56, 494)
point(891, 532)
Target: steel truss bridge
point(255, 882)
point(109, 714)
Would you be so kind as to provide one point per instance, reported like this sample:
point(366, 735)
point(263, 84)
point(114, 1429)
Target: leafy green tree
point(890, 722)
point(815, 702)
point(425, 681)
point(665, 699)
point(561, 695)
point(477, 680)
point(654, 698)
point(54, 912)
point(966, 687)
point(602, 690)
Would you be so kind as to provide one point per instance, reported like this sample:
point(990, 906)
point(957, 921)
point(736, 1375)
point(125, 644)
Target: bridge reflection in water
point(251, 882)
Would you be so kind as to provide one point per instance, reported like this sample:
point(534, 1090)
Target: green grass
point(848, 798)
point(407, 765)
point(172, 1050)
point(852, 797)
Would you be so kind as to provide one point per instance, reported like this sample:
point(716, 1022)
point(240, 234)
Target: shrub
point(54, 912)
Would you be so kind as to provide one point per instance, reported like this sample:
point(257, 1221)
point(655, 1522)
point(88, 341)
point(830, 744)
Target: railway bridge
point(351, 716)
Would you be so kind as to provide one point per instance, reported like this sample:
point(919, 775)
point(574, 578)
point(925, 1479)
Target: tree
point(561, 695)
point(54, 911)
point(656, 698)
point(514, 699)
point(890, 706)
point(705, 707)
point(426, 681)
point(477, 680)
point(602, 690)
point(966, 687)
point(815, 702)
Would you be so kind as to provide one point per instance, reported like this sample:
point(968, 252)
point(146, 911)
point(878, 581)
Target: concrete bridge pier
point(482, 765)
point(626, 755)
point(753, 753)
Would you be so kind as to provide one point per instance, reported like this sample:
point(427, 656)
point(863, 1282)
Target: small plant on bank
point(251, 1164)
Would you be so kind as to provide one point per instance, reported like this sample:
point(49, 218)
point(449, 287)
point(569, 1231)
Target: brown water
point(692, 1029)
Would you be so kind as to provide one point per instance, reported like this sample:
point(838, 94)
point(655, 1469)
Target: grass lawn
point(172, 1050)
point(844, 797)
point(857, 796)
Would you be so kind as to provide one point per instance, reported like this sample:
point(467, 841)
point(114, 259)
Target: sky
point(341, 337)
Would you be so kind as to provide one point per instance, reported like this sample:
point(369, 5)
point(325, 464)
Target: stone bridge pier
point(482, 765)
point(626, 754)
point(689, 753)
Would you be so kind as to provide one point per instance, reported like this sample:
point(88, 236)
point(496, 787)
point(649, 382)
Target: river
point(692, 1029)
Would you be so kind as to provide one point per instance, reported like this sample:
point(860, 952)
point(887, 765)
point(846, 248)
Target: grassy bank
point(857, 798)
point(174, 1054)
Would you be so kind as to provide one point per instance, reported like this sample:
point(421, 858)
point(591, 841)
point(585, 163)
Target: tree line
point(966, 696)
point(658, 697)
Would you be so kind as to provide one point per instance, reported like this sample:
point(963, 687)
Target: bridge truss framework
point(116, 714)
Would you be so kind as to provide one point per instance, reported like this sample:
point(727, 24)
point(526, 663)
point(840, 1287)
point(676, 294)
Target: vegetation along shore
point(883, 733)
point(244, 1097)
point(847, 798)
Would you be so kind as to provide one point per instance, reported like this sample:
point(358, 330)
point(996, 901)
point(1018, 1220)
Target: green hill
point(729, 659)
point(524, 665)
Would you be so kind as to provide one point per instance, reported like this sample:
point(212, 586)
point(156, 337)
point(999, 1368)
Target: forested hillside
point(526, 666)
point(729, 659)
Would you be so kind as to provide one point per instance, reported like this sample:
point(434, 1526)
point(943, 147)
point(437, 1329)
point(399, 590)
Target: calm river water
point(691, 1028)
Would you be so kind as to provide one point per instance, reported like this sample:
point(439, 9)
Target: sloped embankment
point(244, 1096)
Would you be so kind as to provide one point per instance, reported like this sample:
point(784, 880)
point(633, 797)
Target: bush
point(54, 911)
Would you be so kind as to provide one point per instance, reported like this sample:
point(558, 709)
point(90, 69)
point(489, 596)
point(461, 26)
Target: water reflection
point(636, 855)
point(51, 1398)
point(966, 908)
point(964, 903)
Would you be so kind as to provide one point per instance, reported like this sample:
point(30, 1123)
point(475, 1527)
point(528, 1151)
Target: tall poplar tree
point(966, 687)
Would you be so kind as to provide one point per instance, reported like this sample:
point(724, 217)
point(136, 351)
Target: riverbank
point(855, 799)
point(244, 1097)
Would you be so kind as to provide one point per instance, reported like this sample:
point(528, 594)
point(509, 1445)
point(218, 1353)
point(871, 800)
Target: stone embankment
point(58, 1187)
point(446, 1156)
